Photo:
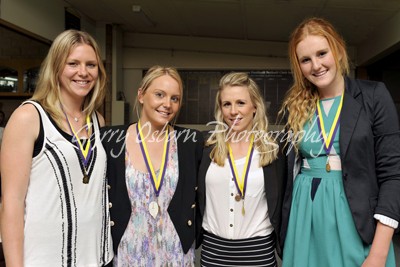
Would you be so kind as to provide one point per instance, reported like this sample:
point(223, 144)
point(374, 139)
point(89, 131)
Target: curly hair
point(301, 99)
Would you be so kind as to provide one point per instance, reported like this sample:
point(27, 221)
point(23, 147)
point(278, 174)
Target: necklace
point(327, 139)
point(241, 182)
point(84, 153)
point(156, 181)
point(76, 118)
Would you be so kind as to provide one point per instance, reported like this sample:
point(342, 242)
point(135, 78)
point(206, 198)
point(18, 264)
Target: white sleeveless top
point(67, 222)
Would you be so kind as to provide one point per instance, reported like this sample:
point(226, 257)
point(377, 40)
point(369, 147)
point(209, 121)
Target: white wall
point(144, 58)
point(117, 107)
point(42, 17)
point(131, 82)
point(46, 19)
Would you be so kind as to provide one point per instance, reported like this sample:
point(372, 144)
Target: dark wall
point(387, 70)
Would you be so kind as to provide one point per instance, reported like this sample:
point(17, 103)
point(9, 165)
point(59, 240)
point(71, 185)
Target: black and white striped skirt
point(256, 251)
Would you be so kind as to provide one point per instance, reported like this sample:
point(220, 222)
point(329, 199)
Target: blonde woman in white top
point(54, 199)
point(240, 181)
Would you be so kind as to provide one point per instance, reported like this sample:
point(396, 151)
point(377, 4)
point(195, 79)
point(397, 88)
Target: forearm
point(380, 246)
point(12, 234)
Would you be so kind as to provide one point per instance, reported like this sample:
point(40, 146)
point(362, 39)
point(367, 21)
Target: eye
point(72, 64)
point(175, 99)
point(226, 104)
point(91, 65)
point(159, 94)
point(323, 53)
point(241, 103)
point(304, 60)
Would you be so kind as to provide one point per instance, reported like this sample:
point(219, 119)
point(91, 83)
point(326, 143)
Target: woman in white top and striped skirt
point(240, 181)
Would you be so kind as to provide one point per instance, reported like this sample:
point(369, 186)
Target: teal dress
point(321, 230)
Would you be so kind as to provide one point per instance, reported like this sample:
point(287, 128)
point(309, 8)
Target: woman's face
point(318, 64)
point(160, 101)
point(80, 72)
point(237, 108)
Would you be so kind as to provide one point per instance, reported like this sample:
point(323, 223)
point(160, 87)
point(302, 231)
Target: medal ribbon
point(83, 152)
point(155, 181)
point(328, 140)
point(241, 184)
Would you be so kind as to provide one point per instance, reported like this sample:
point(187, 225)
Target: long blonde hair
point(48, 91)
point(265, 145)
point(300, 101)
point(153, 73)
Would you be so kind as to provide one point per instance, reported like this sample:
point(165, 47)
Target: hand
point(374, 261)
point(380, 246)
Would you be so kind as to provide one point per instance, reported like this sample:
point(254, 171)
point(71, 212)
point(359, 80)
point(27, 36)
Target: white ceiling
point(261, 20)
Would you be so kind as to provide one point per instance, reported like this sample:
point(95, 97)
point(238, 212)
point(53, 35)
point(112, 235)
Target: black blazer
point(370, 155)
point(274, 183)
point(182, 207)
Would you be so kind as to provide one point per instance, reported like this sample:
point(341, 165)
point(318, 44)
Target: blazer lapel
point(271, 188)
point(348, 120)
point(201, 183)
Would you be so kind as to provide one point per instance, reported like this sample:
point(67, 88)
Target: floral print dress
point(149, 241)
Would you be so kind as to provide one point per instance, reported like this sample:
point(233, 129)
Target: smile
point(164, 113)
point(319, 74)
point(81, 82)
point(235, 120)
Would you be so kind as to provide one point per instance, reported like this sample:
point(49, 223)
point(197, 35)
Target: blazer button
point(195, 189)
point(112, 223)
point(110, 205)
point(108, 187)
point(189, 223)
point(193, 206)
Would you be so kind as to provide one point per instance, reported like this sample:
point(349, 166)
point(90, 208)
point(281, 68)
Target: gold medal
point(153, 209)
point(84, 153)
point(241, 182)
point(85, 179)
point(328, 167)
point(238, 197)
point(156, 181)
point(328, 139)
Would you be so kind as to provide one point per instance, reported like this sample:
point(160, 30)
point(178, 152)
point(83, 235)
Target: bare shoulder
point(25, 114)
point(25, 119)
point(27, 110)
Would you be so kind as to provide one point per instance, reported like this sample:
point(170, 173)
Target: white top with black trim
point(223, 214)
point(66, 221)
